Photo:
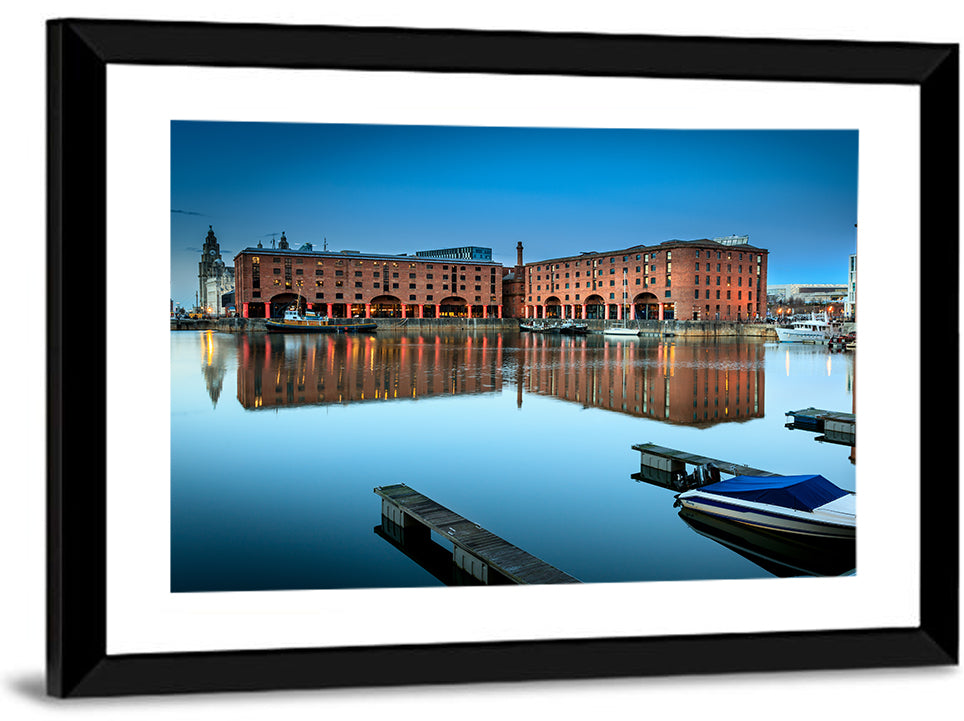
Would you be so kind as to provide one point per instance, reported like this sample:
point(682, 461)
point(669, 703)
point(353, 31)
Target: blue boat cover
point(803, 493)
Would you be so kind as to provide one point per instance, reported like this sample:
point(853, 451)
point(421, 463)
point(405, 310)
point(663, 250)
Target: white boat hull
point(837, 519)
point(796, 335)
point(621, 331)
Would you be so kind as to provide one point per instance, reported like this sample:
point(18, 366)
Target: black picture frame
point(79, 52)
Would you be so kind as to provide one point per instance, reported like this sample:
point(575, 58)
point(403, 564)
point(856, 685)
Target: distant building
point(733, 240)
point(215, 279)
point(364, 285)
point(219, 289)
point(676, 279)
point(850, 306)
point(513, 287)
point(808, 292)
point(466, 253)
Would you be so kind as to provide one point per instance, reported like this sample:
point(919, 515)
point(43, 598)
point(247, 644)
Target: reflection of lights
point(788, 362)
point(828, 364)
point(209, 347)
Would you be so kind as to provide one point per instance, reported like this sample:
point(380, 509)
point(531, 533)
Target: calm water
point(278, 440)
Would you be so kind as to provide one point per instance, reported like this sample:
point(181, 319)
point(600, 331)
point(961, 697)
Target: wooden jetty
point(817, 419)
point(673, 461)
point(475, 550)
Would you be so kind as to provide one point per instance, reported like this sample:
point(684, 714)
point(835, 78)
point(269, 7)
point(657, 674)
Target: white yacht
point(811, 330)
point(622, 329)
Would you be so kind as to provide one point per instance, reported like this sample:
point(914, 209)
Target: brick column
point(329, 310)
point(368, 310)
point(500, 311)
point(421, 310)
point(468, 309)
point(244, 310)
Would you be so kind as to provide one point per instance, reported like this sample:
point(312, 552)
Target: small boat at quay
point(810, 330)
point(621, 330)
point(806, 505)
point(297, 321)
point(540, 326)
point(843, 342)
point(571, 327)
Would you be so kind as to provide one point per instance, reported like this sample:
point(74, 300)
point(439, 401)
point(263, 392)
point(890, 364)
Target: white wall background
point(936, 693)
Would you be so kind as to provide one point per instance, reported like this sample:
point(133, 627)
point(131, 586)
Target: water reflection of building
point(213, 365)
point(289, 370)
point(694, 384)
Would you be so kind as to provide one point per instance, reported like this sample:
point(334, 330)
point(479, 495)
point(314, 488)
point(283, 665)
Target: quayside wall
point(681, 328)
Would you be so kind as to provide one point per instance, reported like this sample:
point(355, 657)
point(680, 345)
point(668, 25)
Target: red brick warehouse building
point(364, 285)
point(719, 279)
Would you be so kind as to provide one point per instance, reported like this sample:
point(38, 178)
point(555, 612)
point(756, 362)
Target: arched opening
point(386, 306)
point(646, 307)
point(595, 308)
point(280, 303)
point(453, 307)
point(553, 307)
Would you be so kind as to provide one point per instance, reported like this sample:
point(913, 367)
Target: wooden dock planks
point(735, 469)
point(499, 554)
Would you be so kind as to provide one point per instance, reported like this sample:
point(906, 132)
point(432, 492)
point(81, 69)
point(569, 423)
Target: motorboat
point(809, 330)
point(807, 505)
point(782, 554)
point(296, 320)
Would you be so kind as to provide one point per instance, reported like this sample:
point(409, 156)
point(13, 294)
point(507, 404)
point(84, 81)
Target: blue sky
point(399, 189)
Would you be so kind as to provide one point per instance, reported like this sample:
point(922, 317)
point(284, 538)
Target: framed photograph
point(410, 370)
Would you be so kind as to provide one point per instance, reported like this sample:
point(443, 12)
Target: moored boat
point(810, 330)
point(808, 505)
point(782, 554)
point(621, 330)
point(540, 326)
point(571, 327)
point(297, 321)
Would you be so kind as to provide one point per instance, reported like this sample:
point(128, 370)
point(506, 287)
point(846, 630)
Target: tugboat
point(297, 321)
